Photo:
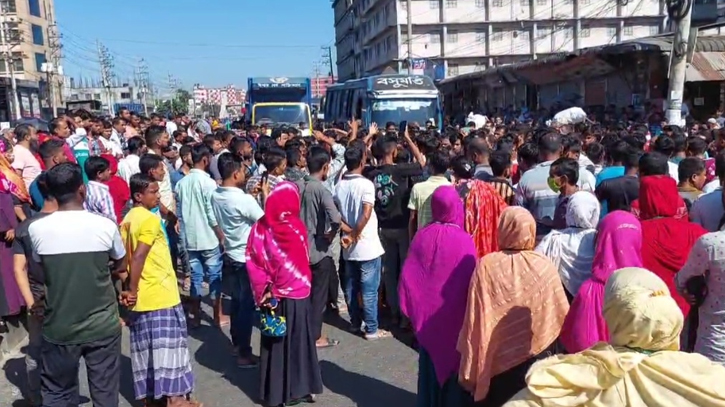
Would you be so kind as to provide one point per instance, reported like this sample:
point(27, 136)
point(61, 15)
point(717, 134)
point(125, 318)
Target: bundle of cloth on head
point(640, 366)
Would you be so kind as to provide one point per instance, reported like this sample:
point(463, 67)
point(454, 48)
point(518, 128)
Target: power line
point(210, 45)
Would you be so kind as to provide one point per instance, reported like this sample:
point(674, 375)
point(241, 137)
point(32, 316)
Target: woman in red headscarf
point(667, 235)
point(120, 192)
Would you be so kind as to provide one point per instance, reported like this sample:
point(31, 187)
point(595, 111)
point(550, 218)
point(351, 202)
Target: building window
point(37, 34)
point(18, 63)
point(433, 4)
point(39, 61)
point(525, 3)
point(34, 8)
point(523, 35)
point(497, 34)
point(542, 2)
point(97, 96)
point(542, 33)
point(451, 37)
point(628, 30)
point(8, 6)
point(404, 4)
point(612, 31)
point(481, 3)
point(125, 95)
point(434, 38)
point(451, 3)
point(567, 32)
point(654, 30)
point(481, 36)
point(452, 69)
point(497, 3)
point(585, 32)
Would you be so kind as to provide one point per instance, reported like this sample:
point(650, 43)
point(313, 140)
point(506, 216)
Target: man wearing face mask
point(563, 178)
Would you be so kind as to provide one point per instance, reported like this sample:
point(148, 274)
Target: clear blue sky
point(255, 37)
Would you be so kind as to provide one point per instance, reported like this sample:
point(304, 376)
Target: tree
point(178, 104)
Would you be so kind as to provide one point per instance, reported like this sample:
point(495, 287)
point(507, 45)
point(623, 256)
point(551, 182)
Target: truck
point(279, 101)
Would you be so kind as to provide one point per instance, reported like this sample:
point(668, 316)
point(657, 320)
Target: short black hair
point(54, 124)
point(50, 148)
point(476, 146)
point(64, 180)
point(228, 164)
point(184, 150)
point(664, 145)
point(139, 183)
point(153, 134)
point(566, 167)
point(630, 157)
point(499, 162)
point(22, 131)
point(199, 152)
point(688, 167)
point(595, 152)
point(278, 131)
point(550, 143)
point(95, 165)
point(273, 158)
point(653, 163)
point(440, 162)
point(42, 182)
point(135, 144)
point(317, 158)
point(462, 167)
point(148, 162)
point(529, 153)
point(118, 120)
point(618, 150)
point(238, 143)
point(293, 156)
point(696, 145)
point(354, 155)
point(720, 165)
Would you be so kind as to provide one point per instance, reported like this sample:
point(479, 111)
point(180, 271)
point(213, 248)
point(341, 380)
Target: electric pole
point(52, 67)
point(143, 83)
point(8, 40)
point(106, 61)
point(409, 40)
point(327, 58)
point(680, 12)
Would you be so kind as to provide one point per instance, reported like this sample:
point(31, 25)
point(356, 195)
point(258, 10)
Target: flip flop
point(331, 343)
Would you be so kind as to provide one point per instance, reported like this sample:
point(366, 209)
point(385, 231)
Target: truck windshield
point(281, 114)
point(397, 110)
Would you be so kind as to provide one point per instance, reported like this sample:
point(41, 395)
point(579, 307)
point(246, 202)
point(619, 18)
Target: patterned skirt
point(159, 354)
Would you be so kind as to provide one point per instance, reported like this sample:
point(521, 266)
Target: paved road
point(356, 373)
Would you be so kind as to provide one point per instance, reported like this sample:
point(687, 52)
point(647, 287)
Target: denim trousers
point(363, 279)
point(242, 306)
point(206, 263)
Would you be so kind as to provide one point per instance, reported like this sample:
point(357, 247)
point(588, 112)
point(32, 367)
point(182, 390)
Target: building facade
point(320, 84)
point(28, 28)
point(469, 35)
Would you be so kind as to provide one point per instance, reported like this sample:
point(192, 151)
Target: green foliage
point(178, 104)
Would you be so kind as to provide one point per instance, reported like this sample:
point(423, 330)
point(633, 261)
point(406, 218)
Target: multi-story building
point(92, 89)
point(468, 35)
point(320, 84)
point(28, 30)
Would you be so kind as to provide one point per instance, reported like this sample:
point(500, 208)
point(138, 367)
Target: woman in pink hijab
point(618, 245)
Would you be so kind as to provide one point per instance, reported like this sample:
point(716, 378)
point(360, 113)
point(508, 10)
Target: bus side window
point(358, 103)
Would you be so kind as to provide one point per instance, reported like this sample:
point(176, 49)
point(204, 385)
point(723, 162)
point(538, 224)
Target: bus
point(279, 101)
point(384, 99)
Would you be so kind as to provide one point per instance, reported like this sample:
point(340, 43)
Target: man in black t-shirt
point(393, 183)
point(617, 194)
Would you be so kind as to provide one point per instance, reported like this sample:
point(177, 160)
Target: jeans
point(321, 272)
point(395, 242)
point(33, 355)
point(242, 304)
point(363, 278)
point(209, 263)
point(60, 363)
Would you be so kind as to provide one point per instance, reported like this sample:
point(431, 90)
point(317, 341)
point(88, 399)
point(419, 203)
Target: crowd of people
point(535, 265)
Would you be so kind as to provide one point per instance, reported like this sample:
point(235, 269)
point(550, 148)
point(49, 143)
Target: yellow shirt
point(420, 198)
point(157, 288)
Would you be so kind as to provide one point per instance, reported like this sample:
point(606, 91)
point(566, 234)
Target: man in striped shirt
point(500, 162)
point(275, 164)
point(98, 196)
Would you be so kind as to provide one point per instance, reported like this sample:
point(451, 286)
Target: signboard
point(278, 83)
point(403, 82)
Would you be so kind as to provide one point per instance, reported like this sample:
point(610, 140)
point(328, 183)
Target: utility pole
point(8, 40)
point(143, 83)
point(680, 12)
point(53, 68)
point(106, 61)
point(409, 39)
point(327, 58)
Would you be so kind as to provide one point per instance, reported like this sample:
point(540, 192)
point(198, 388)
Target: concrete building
point(28, 30)
point(320, 84)
point(469, 35)
point(84, 90)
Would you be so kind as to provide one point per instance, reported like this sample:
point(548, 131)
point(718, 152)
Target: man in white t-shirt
point(355, 196)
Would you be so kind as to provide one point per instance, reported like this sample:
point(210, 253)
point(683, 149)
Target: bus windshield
point(397, 110)
point(281, 114)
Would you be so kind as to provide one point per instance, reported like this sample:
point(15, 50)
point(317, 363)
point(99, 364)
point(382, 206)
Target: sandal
point(379, 334)
point(331, 343)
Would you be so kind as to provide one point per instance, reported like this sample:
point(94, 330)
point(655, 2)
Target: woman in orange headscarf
point(516, 307)
point(667, 236)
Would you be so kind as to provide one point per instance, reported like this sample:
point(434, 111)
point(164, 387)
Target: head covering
point(10, 181)
point(483, 209)
point(640, 312)
point(277, 250)
point(641, 365)
point(667, 236)
point(618, 245)
point(516, 306)
point(435, 278)
point(656, 199)
point(572, 249)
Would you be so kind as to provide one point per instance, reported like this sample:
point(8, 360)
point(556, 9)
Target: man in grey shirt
point(323, 222)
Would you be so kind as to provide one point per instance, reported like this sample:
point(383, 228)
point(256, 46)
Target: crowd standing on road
point(535, 263)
